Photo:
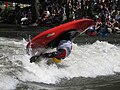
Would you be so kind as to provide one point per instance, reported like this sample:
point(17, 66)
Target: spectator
point(103, 30)
point(17, 13)
point(54, 12)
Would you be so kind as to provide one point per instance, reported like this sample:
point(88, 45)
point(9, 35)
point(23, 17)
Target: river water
point(89, 67)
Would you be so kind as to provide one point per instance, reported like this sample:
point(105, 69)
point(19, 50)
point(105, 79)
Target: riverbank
point(112, 38)
point(19, 32)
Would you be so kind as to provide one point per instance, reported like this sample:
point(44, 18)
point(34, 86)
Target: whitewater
point(86, 61)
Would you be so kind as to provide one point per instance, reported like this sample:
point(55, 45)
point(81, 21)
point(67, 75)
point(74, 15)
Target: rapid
point(89, 66)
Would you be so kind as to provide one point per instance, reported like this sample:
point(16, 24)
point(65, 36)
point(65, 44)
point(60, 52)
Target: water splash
point(99, 58)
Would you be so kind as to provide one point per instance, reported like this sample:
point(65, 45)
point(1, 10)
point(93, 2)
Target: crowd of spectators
point(15, 15)
point(106, 14)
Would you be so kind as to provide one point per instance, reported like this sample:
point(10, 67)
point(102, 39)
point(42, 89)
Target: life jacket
point(65, 45)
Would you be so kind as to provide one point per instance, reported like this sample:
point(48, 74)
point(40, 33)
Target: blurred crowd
point(106, 14)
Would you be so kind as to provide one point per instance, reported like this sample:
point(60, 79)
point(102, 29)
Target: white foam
point(99, 58)
point(7, 82)
point(12, 42)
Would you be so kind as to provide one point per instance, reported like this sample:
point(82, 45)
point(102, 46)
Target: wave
point(90, 60)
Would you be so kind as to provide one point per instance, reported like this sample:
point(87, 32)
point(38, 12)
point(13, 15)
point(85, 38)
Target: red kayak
point(46, 37)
